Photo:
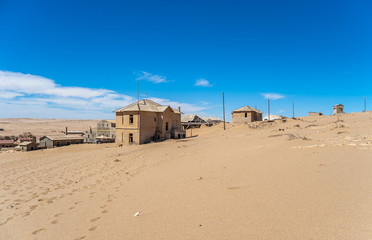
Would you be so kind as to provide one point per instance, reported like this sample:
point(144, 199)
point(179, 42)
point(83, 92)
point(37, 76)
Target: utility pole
point(138, 117)
point(293, 109)
point(365, 104)
point(223, 104)
point(138, 91)
point(268, 107)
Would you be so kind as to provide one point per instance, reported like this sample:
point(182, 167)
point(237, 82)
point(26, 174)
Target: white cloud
point(26, 95)
point(203, 83)
point(9, 94)
point(272, 96)
point(152, 77)
point(31, 84)
point(185, 107)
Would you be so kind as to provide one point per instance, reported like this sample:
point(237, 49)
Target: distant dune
point(40, 127)
point(309, 178)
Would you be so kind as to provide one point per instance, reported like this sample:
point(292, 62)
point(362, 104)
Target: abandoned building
point(105, 128)
point(146, 120)
point(315, 114)
point(194, 121)
point(212, 120)
point(339, 108)
point(246, 114)
point(7, 143)
point(29, 145)
point(60, 140)
point(191, 121)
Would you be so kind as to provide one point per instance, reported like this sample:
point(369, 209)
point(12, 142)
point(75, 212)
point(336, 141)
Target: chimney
point(179, 109)
point(255, 107)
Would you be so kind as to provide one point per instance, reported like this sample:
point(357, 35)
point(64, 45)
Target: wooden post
point(223, 104)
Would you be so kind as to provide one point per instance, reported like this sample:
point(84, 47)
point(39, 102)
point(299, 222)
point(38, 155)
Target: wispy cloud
point(185, 107)
point(152, 77)
point(203, 83)
point(26, 95)
point(272, 96)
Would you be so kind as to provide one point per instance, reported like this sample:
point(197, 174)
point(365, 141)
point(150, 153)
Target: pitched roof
point(63, 137)
point(246, 109)
point(189, 118)
point(6, 142)
point(145, 106)
point(25, 143)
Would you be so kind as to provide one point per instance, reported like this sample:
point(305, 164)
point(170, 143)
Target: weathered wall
point(239, 117)
point(46, 142)
point(315, 114)
point(124, 127)
point(149, 126)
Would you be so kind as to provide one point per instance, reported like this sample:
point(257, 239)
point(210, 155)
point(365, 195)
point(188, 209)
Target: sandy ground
point(42, 127)
point(311, 180)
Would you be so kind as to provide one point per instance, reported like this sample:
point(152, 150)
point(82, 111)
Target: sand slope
point(311, 180)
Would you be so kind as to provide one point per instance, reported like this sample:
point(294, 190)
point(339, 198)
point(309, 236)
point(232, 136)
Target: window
point(122, 120)
point(154, 119)
point(131, 119)
point(246, 114)
point(130, 137)
point(166, 126)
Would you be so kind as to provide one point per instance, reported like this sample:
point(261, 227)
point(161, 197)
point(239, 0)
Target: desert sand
point(42, 127)
point(309, 178)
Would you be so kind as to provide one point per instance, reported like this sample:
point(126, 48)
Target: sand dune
point(41, 127)
point(301, 179)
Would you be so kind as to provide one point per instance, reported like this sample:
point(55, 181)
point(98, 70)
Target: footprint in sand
point(37, 231)
point(93, 228)
point(105, 211)
point(72, 207)
point(95, 219)
point(55, 221)
point(81, 238)
point(58, 214)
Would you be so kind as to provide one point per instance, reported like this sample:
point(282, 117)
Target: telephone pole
point(365, 104)
point(293, 109)
point(268, 107)
point(223, 104)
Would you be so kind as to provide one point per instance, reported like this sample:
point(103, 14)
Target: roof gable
point(246, 109)
point(145, 106)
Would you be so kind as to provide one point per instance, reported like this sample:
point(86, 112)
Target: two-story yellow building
point(146, 121)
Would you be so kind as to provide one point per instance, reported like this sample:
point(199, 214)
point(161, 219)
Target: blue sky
point(82, 59)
